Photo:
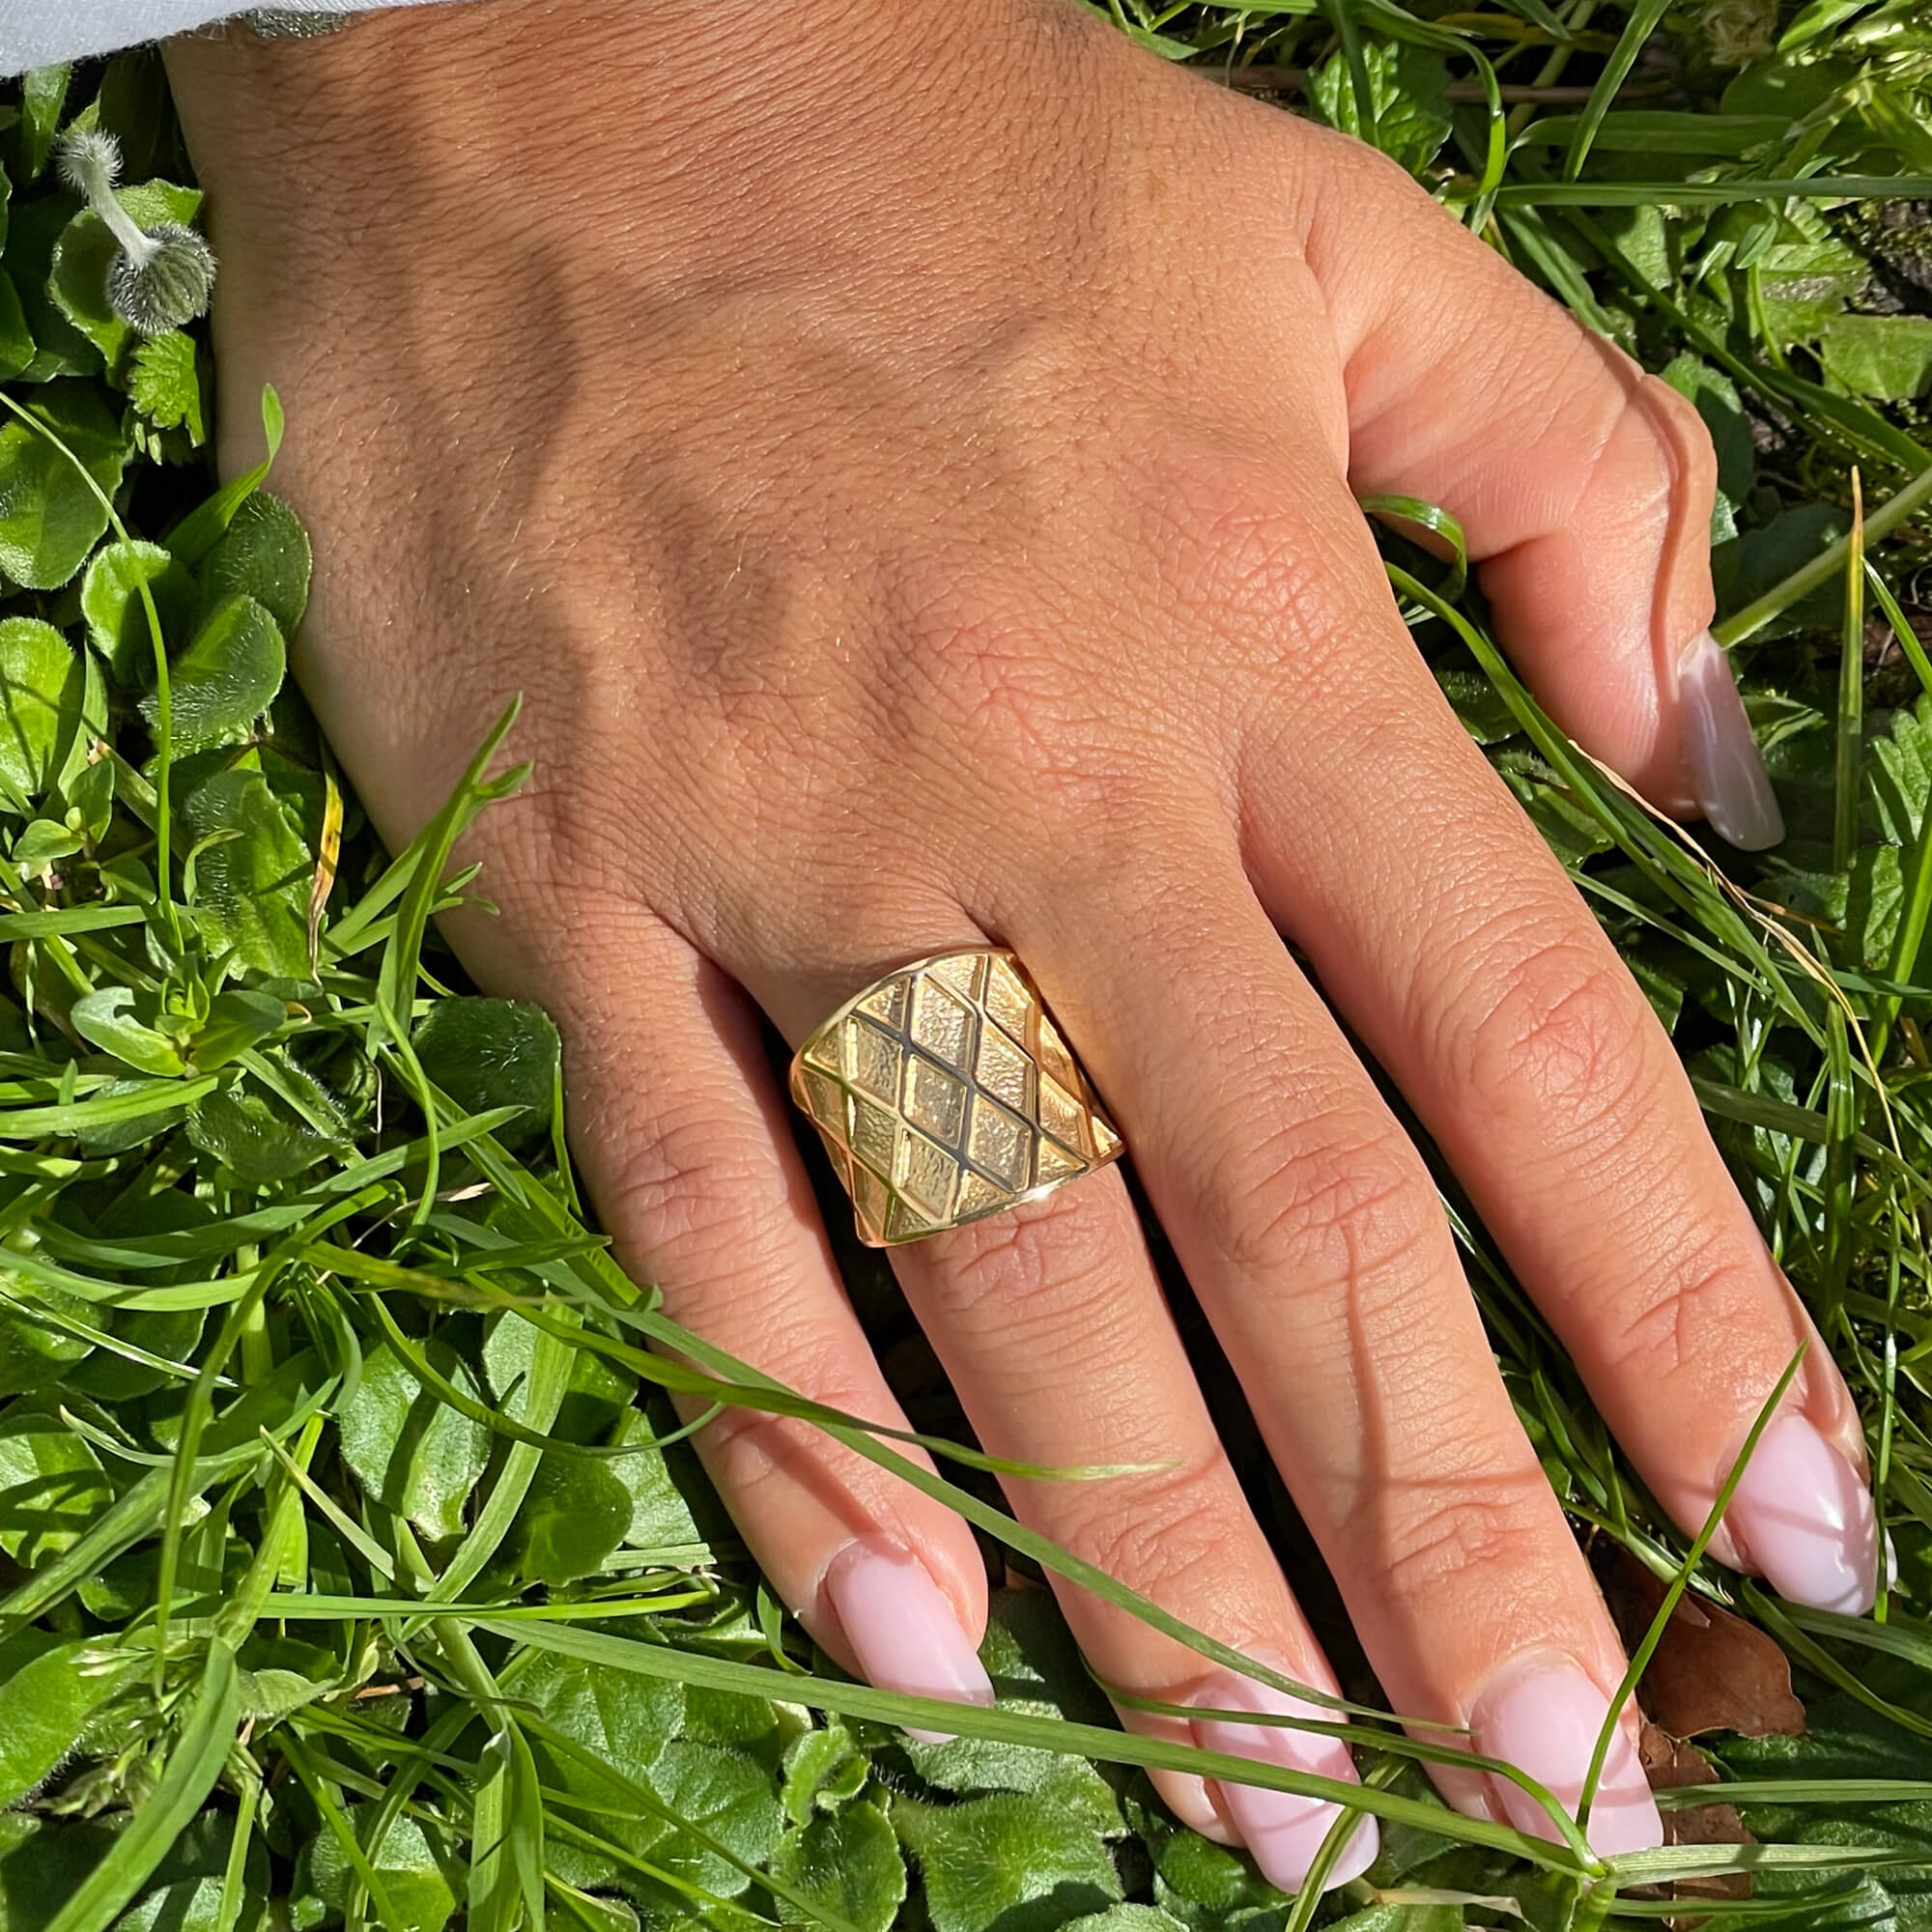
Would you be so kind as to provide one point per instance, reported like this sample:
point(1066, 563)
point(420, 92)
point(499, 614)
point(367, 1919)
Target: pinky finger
point(686, 1144)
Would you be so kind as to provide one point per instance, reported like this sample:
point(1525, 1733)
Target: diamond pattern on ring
point(944, 1093)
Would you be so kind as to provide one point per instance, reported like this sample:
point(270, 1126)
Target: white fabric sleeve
point(33, 32)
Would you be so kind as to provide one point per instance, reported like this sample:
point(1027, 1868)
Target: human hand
point(906, 462)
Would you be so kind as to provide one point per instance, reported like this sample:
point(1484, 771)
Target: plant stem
point(1848, 759)
point(1824, 566)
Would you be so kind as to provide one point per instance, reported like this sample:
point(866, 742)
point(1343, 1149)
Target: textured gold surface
point(944, 1093)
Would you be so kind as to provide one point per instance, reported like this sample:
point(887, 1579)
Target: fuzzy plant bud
point(89, 163)
point(166, 287)
point(159, 277)
point(1739, 33)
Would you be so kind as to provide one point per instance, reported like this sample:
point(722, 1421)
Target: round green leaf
point(116, 617)
point(49, 1691)
point(408, 1449)
point(846, 1862)
point(51, 1483)
point(493, 1053)
point(1887, 358)
point(411, 1867)
point(662, 1505)
point(191, 1905)
point(622, 1720)
point(730, 1717)
point(597, 1399)
point(43, 689)
point(619, 1715)
point(106, 1019)
point(50, 516)
point(42, 843)
point(1200, 1878)
point(34, 1352)
point(731, 1796)
point(251, 890)
point(169, 1333)
point(256, 1138)
point(1022, 1864)
point(264, 553)
point(225, 679)
point(573, 1515)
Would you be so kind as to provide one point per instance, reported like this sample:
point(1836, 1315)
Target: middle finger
point(1310, 1228)
point(1051, 1323)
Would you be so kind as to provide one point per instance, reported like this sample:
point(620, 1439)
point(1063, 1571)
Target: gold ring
point(944, 1093)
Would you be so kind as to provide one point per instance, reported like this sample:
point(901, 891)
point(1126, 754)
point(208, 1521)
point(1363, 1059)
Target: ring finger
point(1049, 1317)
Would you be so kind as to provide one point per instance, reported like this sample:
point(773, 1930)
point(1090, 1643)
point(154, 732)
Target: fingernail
point(1282, 1833)
point(903, 1630)
point(1803, 1516)
point(1545, 1716)
point(1726, 770)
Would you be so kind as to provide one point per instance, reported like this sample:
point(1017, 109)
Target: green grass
point(352, 1567)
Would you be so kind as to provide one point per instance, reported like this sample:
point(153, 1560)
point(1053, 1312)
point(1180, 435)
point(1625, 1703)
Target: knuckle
point(1559, 1030)
point(1350, 1205)
point(1049, 1255)
point(1150, 866)
point(1168, 1534)
point(1653, 456)
point(1366, 170)
point(750, 1449)
point(1678, 1308)
point(700, 1197)
point(1489, 1530)
point(1680, 428)
point(554, 844)
point(1238, 542)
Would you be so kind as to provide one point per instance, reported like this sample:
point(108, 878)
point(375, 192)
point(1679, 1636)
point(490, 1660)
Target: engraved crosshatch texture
point(945, 1094)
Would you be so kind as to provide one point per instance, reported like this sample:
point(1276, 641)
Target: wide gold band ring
point(944, 1093)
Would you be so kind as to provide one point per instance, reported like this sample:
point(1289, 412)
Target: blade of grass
point(1848, 772)
point(1644, 18)
point(1674, 1594)
point(1829, 563)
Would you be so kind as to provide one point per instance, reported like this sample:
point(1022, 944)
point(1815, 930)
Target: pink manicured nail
point(1726, 769)
point(1543, 1717)
point(903, 1630)
point(1803, 1516)
point(1282, 1833)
